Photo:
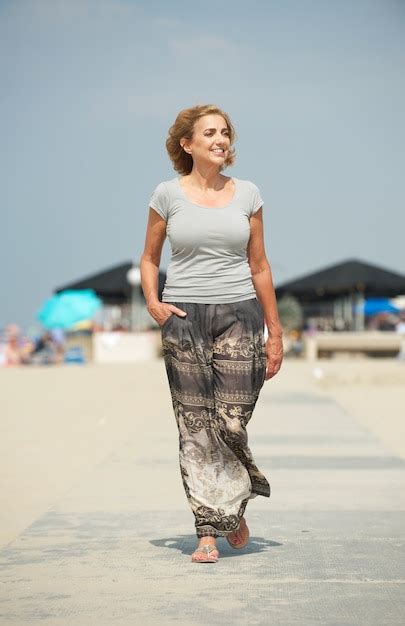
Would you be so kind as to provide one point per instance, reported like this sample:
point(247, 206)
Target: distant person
point(13, 349)
point(387, 322)
point(58, 340)
point(400, 329)
point(45, 351)
point(296, 343)
point(217, 296)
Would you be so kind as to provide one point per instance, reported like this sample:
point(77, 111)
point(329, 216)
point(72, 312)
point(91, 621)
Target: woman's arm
point(149, 266)
point(263, 284)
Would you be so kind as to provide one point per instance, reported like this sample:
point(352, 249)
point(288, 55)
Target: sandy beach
point(95, 447)
point(373, 392)
point(58, 422)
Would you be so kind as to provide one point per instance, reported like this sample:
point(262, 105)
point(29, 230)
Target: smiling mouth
point(219, 152)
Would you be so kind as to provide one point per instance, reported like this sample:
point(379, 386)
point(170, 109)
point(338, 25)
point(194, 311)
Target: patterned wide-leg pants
point(216, 364)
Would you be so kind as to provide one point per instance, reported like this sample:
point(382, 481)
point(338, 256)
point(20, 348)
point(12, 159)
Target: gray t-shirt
point(209, 262)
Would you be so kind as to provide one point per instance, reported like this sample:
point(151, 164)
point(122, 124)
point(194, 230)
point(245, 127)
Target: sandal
point(245, 537)
point(206, 551)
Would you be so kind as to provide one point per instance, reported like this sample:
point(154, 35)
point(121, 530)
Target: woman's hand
point(161, 311)
point(274, 353)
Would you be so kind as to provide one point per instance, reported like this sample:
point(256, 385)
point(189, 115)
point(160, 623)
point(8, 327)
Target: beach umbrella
point(373, 306)
point(66, 308)
point(83, 325)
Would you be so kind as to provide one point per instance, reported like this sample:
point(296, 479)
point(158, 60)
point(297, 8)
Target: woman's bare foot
point(240, 537)
point(206, 550)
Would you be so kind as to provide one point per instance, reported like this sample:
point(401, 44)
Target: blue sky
point(89, 88)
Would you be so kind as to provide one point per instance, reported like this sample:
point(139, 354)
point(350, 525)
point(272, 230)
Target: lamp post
point(359, 307)
point(134, 279)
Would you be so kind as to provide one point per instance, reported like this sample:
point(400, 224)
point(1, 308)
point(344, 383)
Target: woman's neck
point(205, 179)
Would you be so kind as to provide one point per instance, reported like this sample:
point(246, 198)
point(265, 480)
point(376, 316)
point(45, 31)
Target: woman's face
point(211, 142)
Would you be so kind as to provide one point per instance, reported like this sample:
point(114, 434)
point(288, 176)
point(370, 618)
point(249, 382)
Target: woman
point(217, 295)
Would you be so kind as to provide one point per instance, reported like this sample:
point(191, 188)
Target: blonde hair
point(184, 127)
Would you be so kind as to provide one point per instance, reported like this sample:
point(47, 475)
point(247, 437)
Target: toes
point(203, 557)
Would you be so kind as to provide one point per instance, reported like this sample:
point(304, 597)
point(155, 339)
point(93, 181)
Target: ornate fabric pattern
point(216, 364)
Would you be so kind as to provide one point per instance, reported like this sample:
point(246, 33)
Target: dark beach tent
point(351, 276)
point(111, 284)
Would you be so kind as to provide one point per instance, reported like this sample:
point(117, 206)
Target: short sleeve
point(159, 201)
point(256, 199)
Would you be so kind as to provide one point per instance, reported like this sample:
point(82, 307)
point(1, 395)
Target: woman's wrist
point(275, 331)
point(152, 301)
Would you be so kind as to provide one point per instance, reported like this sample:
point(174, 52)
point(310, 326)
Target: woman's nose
point(220, 141)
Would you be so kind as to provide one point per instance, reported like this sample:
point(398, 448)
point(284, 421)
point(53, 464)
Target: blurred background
point(89, 89)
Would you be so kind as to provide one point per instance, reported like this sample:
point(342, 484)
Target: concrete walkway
point(114, 548)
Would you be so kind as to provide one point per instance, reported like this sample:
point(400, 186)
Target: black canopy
point(111, 285)
point(344, 278)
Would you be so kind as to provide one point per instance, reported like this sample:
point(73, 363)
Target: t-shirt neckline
point(212, 208)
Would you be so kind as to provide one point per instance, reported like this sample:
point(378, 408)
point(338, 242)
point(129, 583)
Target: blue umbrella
point(372, 306)
point(66, 308)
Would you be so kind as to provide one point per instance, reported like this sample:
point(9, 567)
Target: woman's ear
point(183, 143)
